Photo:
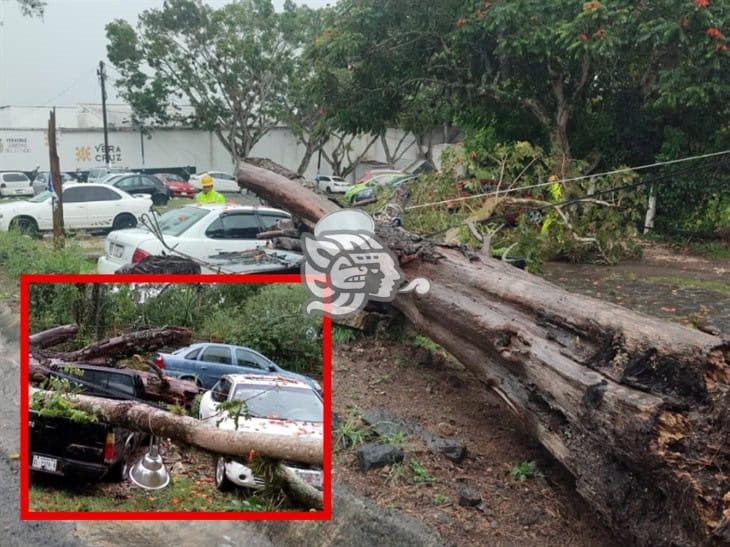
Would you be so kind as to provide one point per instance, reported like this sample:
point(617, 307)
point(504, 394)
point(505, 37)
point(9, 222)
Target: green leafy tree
point(232, 65)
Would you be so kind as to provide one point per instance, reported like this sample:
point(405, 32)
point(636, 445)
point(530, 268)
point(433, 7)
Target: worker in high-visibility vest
point(208, 195)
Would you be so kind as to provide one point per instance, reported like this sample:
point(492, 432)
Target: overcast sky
point(52, 61)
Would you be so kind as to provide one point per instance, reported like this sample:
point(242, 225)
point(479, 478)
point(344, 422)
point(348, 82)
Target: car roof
point(265, 380)
point(237, 207)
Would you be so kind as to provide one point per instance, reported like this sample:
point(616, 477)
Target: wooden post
point(56, 184)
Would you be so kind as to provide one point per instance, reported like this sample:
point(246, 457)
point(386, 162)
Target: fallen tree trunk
point(636, 408)
point(305, 448)
point(129, 344)
point(54, 336)
point(157, 386)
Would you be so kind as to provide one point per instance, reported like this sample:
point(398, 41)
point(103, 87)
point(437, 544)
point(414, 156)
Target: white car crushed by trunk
point(274, 405)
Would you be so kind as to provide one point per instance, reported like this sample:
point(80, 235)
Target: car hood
point(17, 206)
point(273, 426)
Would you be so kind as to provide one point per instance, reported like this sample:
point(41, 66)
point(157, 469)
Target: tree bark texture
point(54, 336)
point(636, 408)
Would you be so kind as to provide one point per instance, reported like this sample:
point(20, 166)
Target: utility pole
point(102, 79)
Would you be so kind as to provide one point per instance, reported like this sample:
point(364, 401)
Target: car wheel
point(328, 190)
point(124, 221)
point(160, 200)
point(26, 226)
point(221, 481)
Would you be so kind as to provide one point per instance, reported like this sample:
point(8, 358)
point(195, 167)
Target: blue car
point(206, 363)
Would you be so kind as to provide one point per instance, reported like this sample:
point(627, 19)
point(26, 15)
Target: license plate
point(312, 478)
point(19, 192)
point(117, 250)
point(42, 463)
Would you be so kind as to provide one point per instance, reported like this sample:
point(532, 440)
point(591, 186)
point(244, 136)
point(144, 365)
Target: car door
point(247, 362)
point(232, 231)
point(76, 209)
point(104, 205)
point(213, 362)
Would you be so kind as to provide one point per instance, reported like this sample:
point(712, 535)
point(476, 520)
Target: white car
point(40, 183)
point(200, 231)
point(222, 182)
point(98, 173)
point(85, 206)
point(15, 183)
point(332, 185)
point(275, 405)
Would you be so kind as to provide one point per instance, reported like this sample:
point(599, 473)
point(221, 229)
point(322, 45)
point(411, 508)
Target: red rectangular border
point(25, 514)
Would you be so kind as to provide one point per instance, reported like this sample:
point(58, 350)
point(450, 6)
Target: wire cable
point(573, 179)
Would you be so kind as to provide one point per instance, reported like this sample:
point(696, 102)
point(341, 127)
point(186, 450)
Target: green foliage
point(526, 470)
point(20, 254)
point(343, 335)
point(420, 473)
point(440, 499)
point(195, 406)
point(234, 410)
point(352, 433)
point(231, 64)
point(421, 341)
point(398, 439)
point(273, 322)
point(58, 403)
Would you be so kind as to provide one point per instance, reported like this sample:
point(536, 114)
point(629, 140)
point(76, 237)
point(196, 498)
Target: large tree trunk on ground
point(158, 387)
point(305, 448)
point(127, 345)
point(54, 336)
point(636, 408)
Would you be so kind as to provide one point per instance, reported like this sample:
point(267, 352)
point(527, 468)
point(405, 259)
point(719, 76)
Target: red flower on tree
point(460, 21)
point(583, 37)
point(702, 3)
point(721, 48)
point(487, 5)
point(713, 32)
point(599, 34)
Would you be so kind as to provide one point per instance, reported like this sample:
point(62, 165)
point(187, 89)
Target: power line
point(597, 194)
point(84, 74)
point(582, 177)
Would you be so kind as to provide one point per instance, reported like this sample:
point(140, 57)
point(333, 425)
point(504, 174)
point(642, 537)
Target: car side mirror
point(272, 368)
point(218, 396)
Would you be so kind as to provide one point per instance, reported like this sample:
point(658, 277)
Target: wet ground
point(687, 289)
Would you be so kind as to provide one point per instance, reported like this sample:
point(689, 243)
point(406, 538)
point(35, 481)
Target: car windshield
point(177, 221)
point(288, 403)
point(43, 196)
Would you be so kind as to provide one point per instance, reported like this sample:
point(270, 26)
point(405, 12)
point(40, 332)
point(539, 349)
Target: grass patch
point(352, 432)
point(711, 249)
point(526, 470)
point(721, 287)
point(20, 254)
point(342, 334)
point(183, 494)
point(420, 473)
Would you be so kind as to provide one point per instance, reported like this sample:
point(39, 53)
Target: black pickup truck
point(87, 451)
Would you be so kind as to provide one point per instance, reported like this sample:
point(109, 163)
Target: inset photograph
point(173, 400)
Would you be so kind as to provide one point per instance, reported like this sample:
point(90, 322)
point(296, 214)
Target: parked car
point(136, 184)
point(15, 183)
point(40, 183)
point(332, 184)
point(277, 405)
point(89, 451)
point(177, 185)
point(199, 231)
point(374, 172)
point(111, 177)
point(378, 181)
point(222, 182)
point(85, 206)
point(205, 363)
point(98, 173)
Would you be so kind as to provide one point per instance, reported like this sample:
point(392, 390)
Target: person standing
point(208, 195)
